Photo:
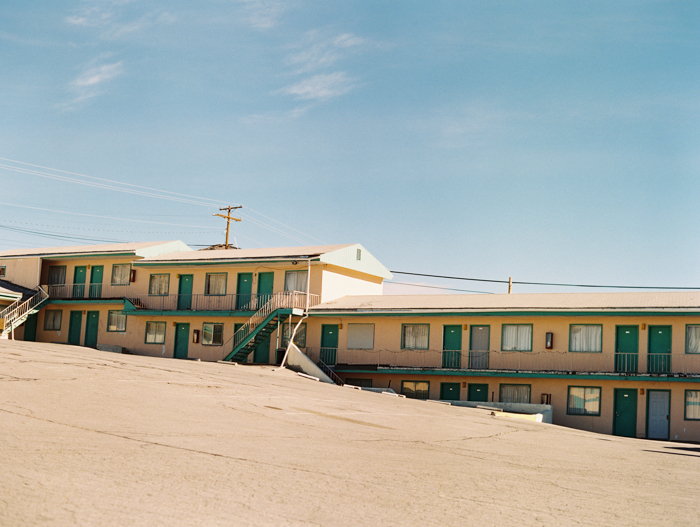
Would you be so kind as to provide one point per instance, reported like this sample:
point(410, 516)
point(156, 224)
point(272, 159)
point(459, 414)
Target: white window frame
point(158, 333)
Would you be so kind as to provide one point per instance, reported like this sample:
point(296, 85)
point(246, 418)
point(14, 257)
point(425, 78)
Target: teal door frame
point(659, 349)
point(96, 274)
point(625, 412)
point(452, 346)
point(79, 277)
point(244, 292)
point(92, 324)
point(266, 283)
point(667, 435)
point(626, 349)
point(182, 341)
point(478, 392)
point(329, 343)
point(184, 292)
point(75, 324)
point(450, 391)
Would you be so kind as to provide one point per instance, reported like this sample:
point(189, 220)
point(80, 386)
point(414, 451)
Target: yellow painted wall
point(22, 271)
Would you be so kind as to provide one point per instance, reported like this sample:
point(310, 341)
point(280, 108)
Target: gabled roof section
point(8, 290)
point(340, 255)
point(141, 249)
point(685, 301)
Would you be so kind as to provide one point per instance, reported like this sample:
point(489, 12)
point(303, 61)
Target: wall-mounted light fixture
point(195, 336)
point(549, 340)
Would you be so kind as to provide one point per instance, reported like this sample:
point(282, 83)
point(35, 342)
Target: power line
point(543, 283)
point(437, 287)
point(58, 236)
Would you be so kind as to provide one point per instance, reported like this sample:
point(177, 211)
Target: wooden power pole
point(228, 219)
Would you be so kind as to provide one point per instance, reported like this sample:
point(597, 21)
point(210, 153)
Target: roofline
point(188, 263)
point(695, 311)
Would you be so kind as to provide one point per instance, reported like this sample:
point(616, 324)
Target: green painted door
point(449, 391)
point(244, 291)
point(659, 356)
point(30, 328)
point(625, 418)
point(478, 392)
point(96, 281)
point(265, 283)
point(79, 281)
point(626, 349)
point(329, 343)
point(91, 326)
point(261, 355)
point(184, 292)
point(74, 327)
point(182, 340)
point(658, 414)
point(452, 346)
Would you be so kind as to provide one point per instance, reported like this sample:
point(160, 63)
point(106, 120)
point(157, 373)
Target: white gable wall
point(337, 283)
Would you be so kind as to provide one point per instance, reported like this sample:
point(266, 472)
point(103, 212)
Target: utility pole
point(229, 218)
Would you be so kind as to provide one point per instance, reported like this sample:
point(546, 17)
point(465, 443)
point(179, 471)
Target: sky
point(552, 142)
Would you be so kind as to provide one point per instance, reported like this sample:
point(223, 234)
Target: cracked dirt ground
point(95, 438)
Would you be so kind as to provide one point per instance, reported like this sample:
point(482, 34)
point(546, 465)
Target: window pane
point(299, 338)
point(155, 332)
point(361, 336)
point(583, 401)
point(586, 338)
point(517, 337)
point(515, 393)
point(52, 320)
point(216, 284)
point(159, 284)
point(692, 342)
point(415, 336)
point(295, 281)
point(692, 404)
point(57, 275)
point(213, 334)
point(116, 321)
point(415, 389)
point(120, 274)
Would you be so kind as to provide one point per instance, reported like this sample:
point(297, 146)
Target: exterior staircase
point(17, 313)
point(263, 323)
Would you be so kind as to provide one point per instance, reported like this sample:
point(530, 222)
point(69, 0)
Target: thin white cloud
point(111, 21)
point(321, 51)
point(264, 14)
point(321, 87)
point(90, 83)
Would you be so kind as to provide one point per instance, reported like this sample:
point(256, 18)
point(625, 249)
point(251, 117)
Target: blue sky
point(548, 141)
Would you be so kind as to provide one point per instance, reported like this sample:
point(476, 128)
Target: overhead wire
point(438, 287)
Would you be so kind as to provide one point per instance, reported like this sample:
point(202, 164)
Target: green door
point(478, 392)
point(91, 325)
point(659, 356)
point(449, 391)
point(74, 326)
point(261, 355)
point(626, 349)
point(96, 281)
point(329, 343)
point(79, 281)
point(625, 417)
point(30, 328)
point(244, 290)
point(182, 340)
point(265, 282)
point(451, 346)
point(184, 292)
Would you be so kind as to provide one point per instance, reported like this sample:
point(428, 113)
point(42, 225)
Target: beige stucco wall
point(22, 271)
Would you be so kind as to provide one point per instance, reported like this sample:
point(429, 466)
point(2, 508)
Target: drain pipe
point(291, 338)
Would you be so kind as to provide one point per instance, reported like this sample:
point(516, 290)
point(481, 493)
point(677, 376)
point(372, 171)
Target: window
point(215, 284)
point(359, 255)
point(52, 320)
point(155, 332)
point(692, 405)
point(516, 337)
point(121, 274)
point(360, 336)
point(116, 321)
point(415, 336)
point(212, 334)
point(295, 281)
point(2, 271)
point(415, 389)
point(362, 383)
point(583, 401)
point(515, 393)
point(159, 284)
point(692, 339)
point(57, 275)
point(586, 338)
point(299, 338)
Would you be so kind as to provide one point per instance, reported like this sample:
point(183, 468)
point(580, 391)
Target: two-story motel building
point(615, 363)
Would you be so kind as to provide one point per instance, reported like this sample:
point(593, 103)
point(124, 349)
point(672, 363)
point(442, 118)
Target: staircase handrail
point(13, 313)
point(281, 300)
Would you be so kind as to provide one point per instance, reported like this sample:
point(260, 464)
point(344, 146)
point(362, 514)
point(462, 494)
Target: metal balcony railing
point(542, 361)
point(81, 291)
